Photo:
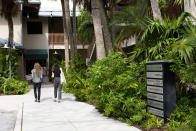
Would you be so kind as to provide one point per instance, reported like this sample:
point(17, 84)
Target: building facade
point(38, 27)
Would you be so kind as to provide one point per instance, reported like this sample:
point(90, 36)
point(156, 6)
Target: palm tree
point(99, 39)
point(129, 21)
point(167, 38)
point(66, 42)
point(106, 32)
point(69, 28)
point(101, 6)
point(9, 9)
point(155, 9)
point(74, 26)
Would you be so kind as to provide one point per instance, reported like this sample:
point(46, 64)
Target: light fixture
point(28, 16)
point(14, 47)
point(51, 14)
point(55, 52)
point(6, 46)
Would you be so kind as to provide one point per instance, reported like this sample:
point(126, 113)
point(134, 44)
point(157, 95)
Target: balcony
point(56, 41)
point(56, 38)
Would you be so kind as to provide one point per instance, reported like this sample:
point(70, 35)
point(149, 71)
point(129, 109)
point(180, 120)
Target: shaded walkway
point(69, 115)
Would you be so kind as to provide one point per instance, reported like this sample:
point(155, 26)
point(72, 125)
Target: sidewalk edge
point(19, 118)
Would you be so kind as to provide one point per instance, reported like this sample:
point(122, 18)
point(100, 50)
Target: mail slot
point(161, 89)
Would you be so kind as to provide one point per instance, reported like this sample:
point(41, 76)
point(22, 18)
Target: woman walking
point(59, 79)
point(37, 78)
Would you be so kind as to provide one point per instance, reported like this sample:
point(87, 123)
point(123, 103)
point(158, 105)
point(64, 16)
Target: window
point(34, 27)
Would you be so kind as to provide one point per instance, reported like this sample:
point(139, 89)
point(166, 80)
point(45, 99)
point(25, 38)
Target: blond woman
point(37, 78)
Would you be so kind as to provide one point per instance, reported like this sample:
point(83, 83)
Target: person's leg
point(55, 89)
point(59, 92)
point(39, 91)
point(35, 92)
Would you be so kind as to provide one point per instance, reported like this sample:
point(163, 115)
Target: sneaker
point(54, 100)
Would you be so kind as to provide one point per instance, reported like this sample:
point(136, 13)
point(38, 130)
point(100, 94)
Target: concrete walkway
point(69, 115)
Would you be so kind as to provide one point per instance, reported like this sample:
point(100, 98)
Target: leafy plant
point(85, 28)
point(129, 21)
point(14, 87)
point(4, 63)
point(153, 122)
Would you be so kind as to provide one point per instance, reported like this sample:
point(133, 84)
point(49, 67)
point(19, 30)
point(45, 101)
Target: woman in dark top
point(56, 73)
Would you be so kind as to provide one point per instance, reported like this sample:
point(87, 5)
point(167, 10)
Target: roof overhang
point(54, 9)
point(5, 41)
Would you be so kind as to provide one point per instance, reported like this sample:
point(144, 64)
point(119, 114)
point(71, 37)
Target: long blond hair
point(37, 67)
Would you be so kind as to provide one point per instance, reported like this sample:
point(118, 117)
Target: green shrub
point(153, 122)
point(14, 87)
point(75, 79)
point(118, 88)
point(2, 80)
point(183, 116)
point(4, 63)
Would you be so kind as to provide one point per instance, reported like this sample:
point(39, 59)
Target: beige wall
point(36, 41)
point(17, 28)
point(190, 6)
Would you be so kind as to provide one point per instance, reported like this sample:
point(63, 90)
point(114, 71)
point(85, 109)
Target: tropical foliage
point(129, 21)
point(13, 86)
point(165, 39)
point(4, 64)
point(116, 85)
point(85, 27)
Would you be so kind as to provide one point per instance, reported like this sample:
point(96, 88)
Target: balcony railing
point(56, 38)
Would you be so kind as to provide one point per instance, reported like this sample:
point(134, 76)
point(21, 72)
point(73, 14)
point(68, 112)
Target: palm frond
point(9, 8)
point(85, 28)
point(132, 19)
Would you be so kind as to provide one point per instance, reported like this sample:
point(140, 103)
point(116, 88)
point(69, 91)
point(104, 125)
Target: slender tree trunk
point(69, 29)
point(74, 26)
point(65, 38)
point(112, 8)
point(106, 32)
point(10, 43)
point(99, 40)
point(155, 9)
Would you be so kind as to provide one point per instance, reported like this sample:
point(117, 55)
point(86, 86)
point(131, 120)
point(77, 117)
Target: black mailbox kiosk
point(161, 90)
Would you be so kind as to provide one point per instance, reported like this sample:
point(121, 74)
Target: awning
point(35, 53)
point(54, 8)
point(4, 41)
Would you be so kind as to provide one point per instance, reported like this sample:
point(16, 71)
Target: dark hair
point(56, 70)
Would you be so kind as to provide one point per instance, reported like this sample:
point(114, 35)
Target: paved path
point(69, 115)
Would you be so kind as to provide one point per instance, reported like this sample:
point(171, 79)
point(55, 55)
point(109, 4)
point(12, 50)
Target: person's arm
point(32, 74)
point(41, 75)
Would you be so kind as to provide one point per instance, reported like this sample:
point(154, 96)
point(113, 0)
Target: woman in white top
point(37, 78)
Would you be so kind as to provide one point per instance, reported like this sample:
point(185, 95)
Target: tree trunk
point(10, 42)
point(112, 9)
point(99, 40)
point(155, 9)
point(69, 29)
point(65, 38)
point(106, 32)
point(74, 26)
